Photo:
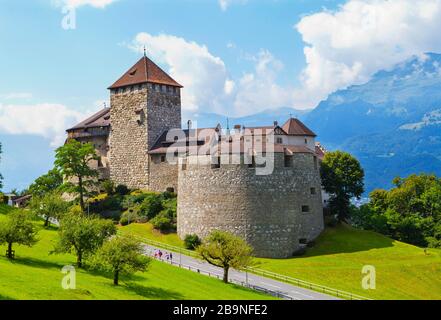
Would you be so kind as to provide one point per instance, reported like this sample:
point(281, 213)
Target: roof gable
point(144, 71)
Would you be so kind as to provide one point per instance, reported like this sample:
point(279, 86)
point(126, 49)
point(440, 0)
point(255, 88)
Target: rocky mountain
point(264, 118)
point(392, 123)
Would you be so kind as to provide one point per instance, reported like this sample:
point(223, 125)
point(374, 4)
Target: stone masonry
point(276, 214)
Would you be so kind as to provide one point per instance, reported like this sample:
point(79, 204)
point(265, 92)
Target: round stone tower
point(277, 214)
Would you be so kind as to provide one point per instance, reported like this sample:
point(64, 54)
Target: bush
point(122, 190)
point(124, 221)
point(3, 198)
point(162, 222)
point(108, 186)
point(192, 241)
point(129, 217)
point(110, 203)
point(151, 206)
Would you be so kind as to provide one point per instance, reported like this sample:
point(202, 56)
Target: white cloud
point(203, 75)
point(208, 85)
point(259, 90)
point(101, 4)
point(349, 45)
point(224, 4)
point(47, 120)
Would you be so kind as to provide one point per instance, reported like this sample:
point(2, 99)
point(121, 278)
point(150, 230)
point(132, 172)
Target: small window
point(162, 158)
point(132, 88)
point(140, 87)
point(303, 241)
point(305, 209)
point(279, 140)
point(306, 141)
point(184, 166)
point(313, 191)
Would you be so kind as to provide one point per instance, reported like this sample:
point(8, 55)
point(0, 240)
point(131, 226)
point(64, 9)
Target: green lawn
point(146, 230)
point(37, 275)
point(403, 271)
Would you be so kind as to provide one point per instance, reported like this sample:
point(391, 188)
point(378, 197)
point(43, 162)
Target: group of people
point(159, 254)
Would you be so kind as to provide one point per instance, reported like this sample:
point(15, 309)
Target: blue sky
point(234, 57)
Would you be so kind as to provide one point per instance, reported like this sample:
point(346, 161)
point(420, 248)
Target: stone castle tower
point(145, 102)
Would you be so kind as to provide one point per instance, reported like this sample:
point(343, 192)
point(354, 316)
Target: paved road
point(291, 291)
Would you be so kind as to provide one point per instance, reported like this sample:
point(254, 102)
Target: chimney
point(237, 127)
point(276, 124)
point(189, 125)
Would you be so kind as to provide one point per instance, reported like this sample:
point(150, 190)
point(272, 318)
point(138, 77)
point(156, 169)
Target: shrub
point(3, 198)
point(192, 241)
point(151, 206)
point(108, 186)
point(129, 217)
point(162, 222)
point(124, 221)
point(122, 190)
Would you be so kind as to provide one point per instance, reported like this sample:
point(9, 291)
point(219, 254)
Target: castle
point(214, 171)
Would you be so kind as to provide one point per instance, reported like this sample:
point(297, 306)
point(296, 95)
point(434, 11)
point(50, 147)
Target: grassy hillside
point(37, 275)
point(403, 271)
point(146, 230)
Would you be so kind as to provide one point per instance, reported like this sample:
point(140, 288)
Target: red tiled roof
point(295, 127)
point(99, 119)
point(144, 71)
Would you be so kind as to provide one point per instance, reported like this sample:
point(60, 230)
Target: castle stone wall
point(266, 211)
point(128, 138)
point(139, 115)
point(163, 175)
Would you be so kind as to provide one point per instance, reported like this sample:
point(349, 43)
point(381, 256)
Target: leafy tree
point(409, 212)
point(17, 229)
point(73, 160)
point(50, 206)
point(50, 182)
point(121, 256)
point(151, 206)
point(342, 177)
point(225, 250)
point(83, 235)
point(1, 177)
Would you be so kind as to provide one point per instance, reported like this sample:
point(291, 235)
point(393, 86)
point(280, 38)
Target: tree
point(1, 177)
point(225, 250)
point(73, 160)
point(342, 177)
point(83, 235)
point(49, 206)
point(50, 182)
point(121, 256)
point(17, 229)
